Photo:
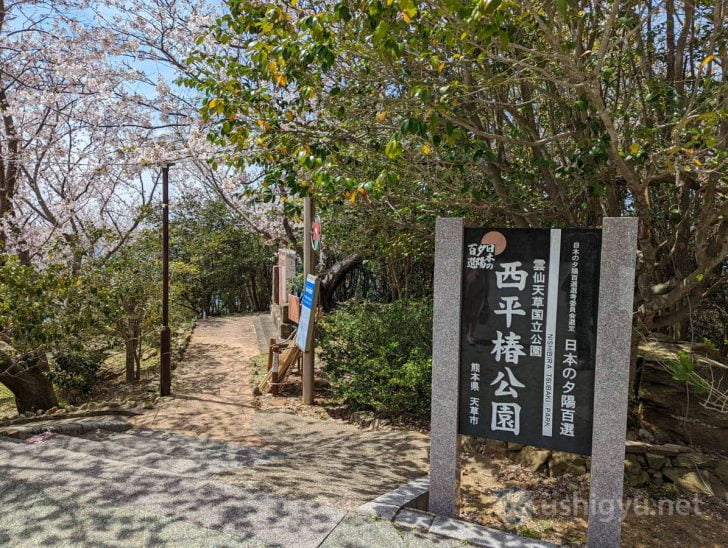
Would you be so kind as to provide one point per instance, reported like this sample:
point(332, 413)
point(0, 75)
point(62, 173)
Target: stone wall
point(76, 419)
point(645, 465)
point(664, 408)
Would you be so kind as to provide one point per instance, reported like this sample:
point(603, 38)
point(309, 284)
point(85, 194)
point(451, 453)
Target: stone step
point(103, 483)
point(71, 426)
point(141, 451)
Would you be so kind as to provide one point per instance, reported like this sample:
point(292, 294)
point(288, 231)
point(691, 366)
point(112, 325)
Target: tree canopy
point(520, 114)
point(388, 112)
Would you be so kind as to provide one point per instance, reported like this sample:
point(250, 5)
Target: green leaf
point(408, 7)
point(380, 33)
point(504, 39)
point(414, 126)
point(492, 6)
point(342, 12)
point(393, 150)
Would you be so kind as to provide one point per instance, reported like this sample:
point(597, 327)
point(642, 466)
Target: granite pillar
point(614, 333)
point(445, 441)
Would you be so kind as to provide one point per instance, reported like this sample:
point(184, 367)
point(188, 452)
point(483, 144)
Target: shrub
point(76, 372)
point(378, 356)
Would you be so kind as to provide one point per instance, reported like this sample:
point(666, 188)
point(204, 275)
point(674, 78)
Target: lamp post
point(165, 374)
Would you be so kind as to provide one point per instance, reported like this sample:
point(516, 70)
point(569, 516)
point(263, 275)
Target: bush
point(379, 356)
point(76, 372)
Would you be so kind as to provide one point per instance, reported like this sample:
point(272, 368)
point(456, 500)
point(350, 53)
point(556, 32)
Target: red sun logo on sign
point(496, 239)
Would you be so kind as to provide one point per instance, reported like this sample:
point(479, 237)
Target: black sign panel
point(529, 324)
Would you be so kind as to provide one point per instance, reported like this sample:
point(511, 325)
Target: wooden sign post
point(308, 270)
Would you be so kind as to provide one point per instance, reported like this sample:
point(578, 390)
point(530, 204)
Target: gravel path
point(332, 462)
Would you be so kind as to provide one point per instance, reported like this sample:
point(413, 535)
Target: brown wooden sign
point(294, 308)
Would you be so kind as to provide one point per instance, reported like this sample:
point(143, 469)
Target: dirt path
point(333, 462)
point(326, 460)
point(211, 387)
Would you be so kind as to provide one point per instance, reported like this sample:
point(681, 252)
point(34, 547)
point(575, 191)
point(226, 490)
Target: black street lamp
point(165, 374)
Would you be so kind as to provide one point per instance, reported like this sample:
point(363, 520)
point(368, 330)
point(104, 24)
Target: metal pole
point(165, 376)
point(308, 357)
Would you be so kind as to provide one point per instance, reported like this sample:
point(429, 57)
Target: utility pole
point(308, 356)
point(165, 376)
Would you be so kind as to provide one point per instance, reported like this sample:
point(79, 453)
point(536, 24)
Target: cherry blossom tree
point(70, 128)
point(67, 188)
point(90, 110)
point(163, 36)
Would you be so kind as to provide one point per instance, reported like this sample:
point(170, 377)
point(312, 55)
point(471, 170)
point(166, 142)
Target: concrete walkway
point(207, 469)
point(328, 461)
point(81, 491)
point(157, 489)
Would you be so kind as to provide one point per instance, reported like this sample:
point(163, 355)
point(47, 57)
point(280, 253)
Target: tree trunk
point(31, 388)
point(138, 356)
point(333, 278)
point(131, 348)
point(254, 294)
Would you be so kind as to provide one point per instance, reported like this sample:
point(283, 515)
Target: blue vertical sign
point(308, 304)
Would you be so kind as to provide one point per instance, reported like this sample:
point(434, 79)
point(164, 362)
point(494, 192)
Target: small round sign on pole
point(316, 233)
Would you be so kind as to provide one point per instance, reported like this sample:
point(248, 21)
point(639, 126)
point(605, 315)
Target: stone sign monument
point(531, 344)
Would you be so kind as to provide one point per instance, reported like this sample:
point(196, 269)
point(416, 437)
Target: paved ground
point(271, 479)
point(329, 461)
point(79, 493)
